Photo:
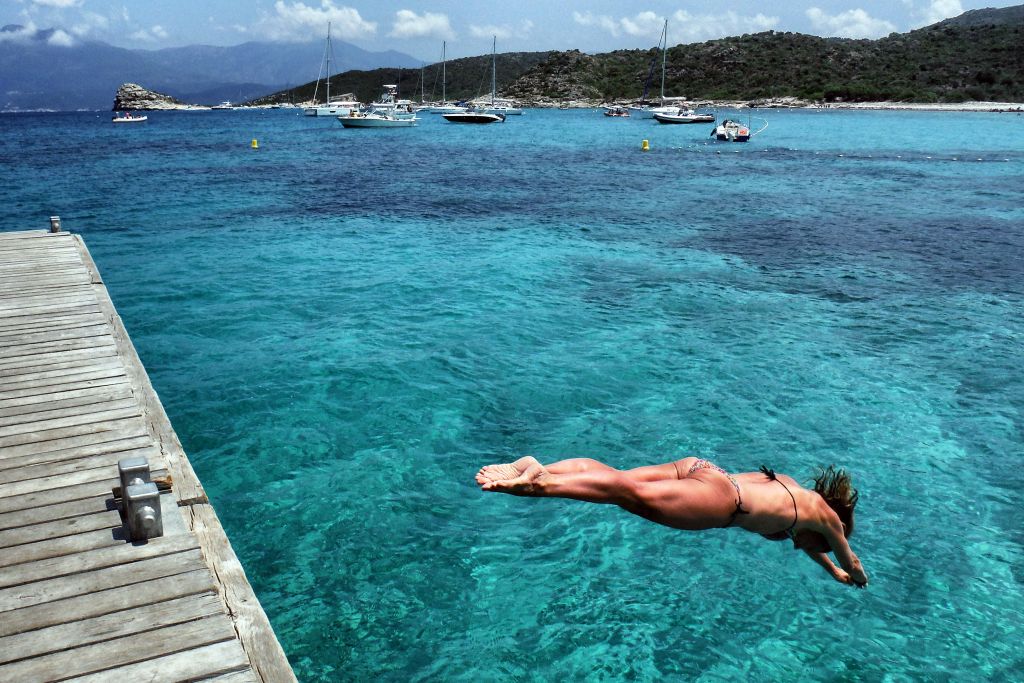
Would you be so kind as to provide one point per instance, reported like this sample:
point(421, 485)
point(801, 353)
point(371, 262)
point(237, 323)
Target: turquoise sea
point(344, 325)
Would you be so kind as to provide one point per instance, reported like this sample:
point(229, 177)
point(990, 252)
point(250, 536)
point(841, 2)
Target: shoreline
point(781, 103)
point(794, 103)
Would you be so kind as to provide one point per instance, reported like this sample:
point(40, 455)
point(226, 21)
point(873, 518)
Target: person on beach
point(694, 494)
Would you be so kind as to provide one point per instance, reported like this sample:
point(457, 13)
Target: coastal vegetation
point(976, 56)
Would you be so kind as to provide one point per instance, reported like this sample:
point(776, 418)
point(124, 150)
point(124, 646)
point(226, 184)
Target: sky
point(418, 27)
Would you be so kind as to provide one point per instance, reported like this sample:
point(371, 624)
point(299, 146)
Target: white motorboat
point(473, 115)
point(440, 108)
point(731, 131)
point(618, 112)
point(372, 119)
point(682, 115)
point(128, 117)
point(226, 104)
point(388, 112)
point(482, 114)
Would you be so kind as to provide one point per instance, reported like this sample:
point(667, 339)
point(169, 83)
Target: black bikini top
point(785, 533)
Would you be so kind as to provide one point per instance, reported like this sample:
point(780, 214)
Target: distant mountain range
point(35, 74)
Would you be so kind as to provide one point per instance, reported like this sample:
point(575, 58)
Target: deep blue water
point(345, 325)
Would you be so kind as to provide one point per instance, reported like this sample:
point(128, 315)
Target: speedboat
point(223, 105)
point(731, 131)
point(617, 111)
point(372, 119)
point(473, 115)
point(682, 115)
point(127, 117)
point(486, 114)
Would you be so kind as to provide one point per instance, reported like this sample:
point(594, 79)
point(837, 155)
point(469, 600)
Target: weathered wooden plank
point(81, 435)
point(20, 378)
point(72, 377)
point(49, 513)
point(58, 492)
point(75, 464)
point(23, 396)
point(26, 420)
point(17, 488)
point(206, 663)
point(9, 307)
point(55, 361)
point(51, 288)
point(61, 345)
point(244, 676)
point(63, 527)
point(36, 431)
point(39, 592)
point(120, 651)
point(69, 401)
point(9, 326)
point(98, 629)
point(115, 449)
point(254, 629)
point(53, 336)
point(106, 601)
point(59, 547)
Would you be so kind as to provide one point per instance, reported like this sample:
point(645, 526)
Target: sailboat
point(642, 109)
point(474, 114)
point(340, 105)
point(444, 106)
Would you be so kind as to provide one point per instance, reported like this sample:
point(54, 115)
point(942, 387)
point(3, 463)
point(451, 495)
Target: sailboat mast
point(444, 76)
point(494, 67)
point(328, 101)
point(664, 49)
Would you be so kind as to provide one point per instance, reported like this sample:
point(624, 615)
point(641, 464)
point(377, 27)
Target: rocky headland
point(134, 96)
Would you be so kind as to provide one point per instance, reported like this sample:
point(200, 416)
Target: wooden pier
point(77, 600)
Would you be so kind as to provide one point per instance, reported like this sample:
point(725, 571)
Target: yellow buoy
point(255, 145)
point(645, 146)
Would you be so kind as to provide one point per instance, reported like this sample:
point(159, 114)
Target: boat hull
point(684, 118)
point(473, 117)
point(371, 121)
point(133, 119)
point(344, 110)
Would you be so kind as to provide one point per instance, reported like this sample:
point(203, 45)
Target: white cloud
point(601, 21)
point(695, 27)
point(60, 39)
point(57, 3)
point(298, 22)
point(683, 26)
point(854, 23)
point(937, 10)
point(150, 35)
point(90, 22)
point(408, 24)
point(503, 32)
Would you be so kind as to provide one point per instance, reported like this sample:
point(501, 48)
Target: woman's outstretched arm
point(826, 562)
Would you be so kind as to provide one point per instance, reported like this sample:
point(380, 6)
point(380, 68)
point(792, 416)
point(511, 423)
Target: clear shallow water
point(345, 325)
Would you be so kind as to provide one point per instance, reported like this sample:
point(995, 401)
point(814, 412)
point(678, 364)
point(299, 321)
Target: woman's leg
point(679, 503)
point(668, 470)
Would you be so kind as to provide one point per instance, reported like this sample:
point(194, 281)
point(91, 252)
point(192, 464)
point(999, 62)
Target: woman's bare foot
point(518, 478)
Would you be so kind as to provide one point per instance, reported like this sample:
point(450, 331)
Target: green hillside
point(977, 56)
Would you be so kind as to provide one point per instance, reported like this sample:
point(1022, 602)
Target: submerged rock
point(134, 96)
